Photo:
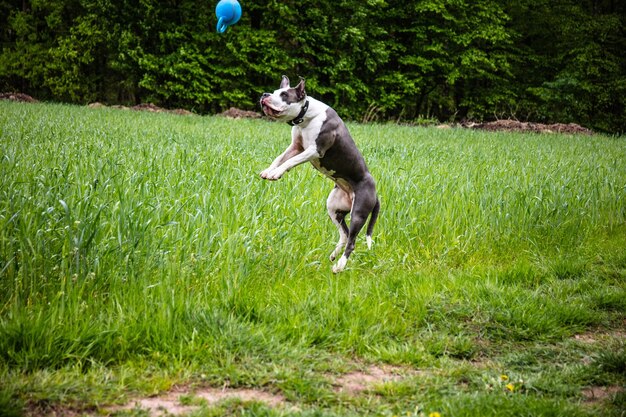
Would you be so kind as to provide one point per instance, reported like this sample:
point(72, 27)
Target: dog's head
point(286, 102)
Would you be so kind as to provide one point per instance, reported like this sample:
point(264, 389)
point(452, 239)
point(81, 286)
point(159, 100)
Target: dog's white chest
point(311, 132)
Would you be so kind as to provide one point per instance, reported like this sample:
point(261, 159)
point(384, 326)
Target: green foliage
point(448, 61)
point(570, 65)
point(376, 59)
point(72, 72)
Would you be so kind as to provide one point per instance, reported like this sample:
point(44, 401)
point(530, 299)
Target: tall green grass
point(150, 237)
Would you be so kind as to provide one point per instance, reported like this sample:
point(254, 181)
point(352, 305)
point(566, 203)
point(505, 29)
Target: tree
point(570, 66)
point(448, 58)
point(544, 60)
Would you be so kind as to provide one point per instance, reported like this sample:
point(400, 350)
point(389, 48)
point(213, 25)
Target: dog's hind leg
point(370, 225)
point(339, 204)
point(365, 203)
point(357, 221)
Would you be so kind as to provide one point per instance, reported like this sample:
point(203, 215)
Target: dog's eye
point(283, 95)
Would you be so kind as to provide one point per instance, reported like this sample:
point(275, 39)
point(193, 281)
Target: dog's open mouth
point(269, 110)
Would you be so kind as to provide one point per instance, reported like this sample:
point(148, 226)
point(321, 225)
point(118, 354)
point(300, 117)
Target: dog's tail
point(372, 222)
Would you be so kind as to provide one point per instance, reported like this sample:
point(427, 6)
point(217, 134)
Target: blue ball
point(228, 12)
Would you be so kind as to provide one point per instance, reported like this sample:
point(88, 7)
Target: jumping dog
point(319, 136)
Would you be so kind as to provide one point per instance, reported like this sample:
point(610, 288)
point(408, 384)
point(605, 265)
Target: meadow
point(141, 253)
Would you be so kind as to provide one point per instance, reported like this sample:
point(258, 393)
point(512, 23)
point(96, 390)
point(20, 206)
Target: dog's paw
point(273, 175)
point(268, 176)
point(340, 265)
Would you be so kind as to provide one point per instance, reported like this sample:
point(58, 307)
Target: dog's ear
point(300, 93)
point(284, 83)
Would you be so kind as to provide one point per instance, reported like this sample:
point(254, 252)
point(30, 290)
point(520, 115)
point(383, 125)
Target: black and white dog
point(319, 136)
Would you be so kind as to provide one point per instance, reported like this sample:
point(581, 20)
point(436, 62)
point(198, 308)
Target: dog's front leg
point(293, 150)
point(308, 154)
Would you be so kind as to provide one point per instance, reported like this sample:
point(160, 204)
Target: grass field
point(141, 254)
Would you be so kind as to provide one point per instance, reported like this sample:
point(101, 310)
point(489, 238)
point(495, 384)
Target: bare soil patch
point(165, 405)
point(149, 107)
point(598, 394)
point(508, 125)
point(235, 113)
point(353, 383)
point(170, 403)
point(595, 336)
point(215, 395)
point(17, 97)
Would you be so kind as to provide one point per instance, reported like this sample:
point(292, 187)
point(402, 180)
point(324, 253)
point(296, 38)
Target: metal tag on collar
point(300, 117)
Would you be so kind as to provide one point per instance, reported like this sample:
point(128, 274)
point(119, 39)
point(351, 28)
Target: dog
point(319, 136)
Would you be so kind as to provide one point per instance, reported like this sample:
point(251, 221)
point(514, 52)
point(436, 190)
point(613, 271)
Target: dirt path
point(183, 401)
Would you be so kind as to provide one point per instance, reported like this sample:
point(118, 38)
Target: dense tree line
point(541, 60)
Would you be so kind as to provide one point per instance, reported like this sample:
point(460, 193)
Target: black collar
point(300, 117)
